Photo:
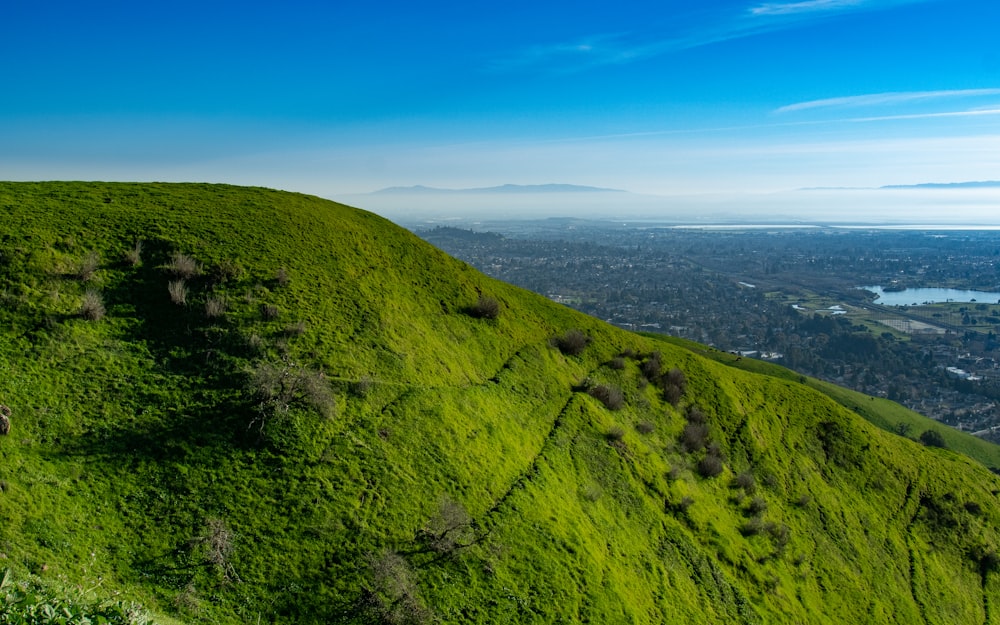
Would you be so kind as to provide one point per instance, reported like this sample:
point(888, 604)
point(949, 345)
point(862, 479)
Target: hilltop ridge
point(239, 405)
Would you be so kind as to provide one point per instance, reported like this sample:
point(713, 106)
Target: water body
point(910, 297)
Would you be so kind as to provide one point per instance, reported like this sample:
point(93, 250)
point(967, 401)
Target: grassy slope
point(882, 413)
point(137, 462)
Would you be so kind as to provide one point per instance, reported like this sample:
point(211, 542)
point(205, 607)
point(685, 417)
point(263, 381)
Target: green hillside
point(886, 414)
point(237, 405)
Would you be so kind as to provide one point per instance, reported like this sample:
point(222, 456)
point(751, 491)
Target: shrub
point(573, 342)
point(92, 306)
point(296, 329)
point(610, 396)
point(645, 427)
point(486, 308)
point(651, 367)
point(450, 529)
point(695, 415)
point(134, 256)
point(183, 266)
point(268, 312)
point(933, 438)
point(745, 481)
point(615, 434)
point(710, 465)
point(393, 596)
point(215, 307)
point(178, 292)
point(757, 507)
point(752, 527)
point(278, 387)
point(675, 386)
point(281, 277)
point(216, 546)
point(88, 266)
point(694, 436)
point(225, 271)
point(683, 505)
point(617, 363)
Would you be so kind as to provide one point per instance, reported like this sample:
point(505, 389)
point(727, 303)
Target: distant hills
point(502, 189)
point(985, 184)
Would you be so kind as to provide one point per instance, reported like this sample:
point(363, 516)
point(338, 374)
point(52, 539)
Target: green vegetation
point(888, 415)
point(327, 431)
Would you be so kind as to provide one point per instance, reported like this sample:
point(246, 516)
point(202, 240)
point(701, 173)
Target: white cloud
point(807, 6)
point(879, 99)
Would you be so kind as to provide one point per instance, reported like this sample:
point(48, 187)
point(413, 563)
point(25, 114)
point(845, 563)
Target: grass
point(399, 458)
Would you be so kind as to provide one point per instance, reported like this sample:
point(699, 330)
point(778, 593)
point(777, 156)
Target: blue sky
point(740, 98)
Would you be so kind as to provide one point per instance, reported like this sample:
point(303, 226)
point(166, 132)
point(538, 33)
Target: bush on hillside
point(745, 481)
point(280, 387)
point(392, 595)
point(710, 465)
point(610, 396)
point(449, 530)
point(178, 292)
point(215, 307)
point(694, 436)
point(183, 266)
point(933, 438)
point(573, 342)
point(92, 306)
point(88, 266)
point(134, 256)
point(485, 308)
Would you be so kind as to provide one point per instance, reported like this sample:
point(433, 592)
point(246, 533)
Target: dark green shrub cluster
point(711, 465)
point(610, 396)
point(615, 434)
point(745, 482)
point(573, 342)
point(933, 438)
point(485, 308)
point(672, 383)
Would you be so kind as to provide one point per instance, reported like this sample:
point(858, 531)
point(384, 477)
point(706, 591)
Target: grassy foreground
point(237, 405)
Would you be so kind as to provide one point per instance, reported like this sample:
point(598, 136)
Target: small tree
point(933, 438)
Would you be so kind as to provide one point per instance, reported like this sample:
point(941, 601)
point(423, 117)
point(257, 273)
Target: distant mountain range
point(984, 184)
point(503, 189)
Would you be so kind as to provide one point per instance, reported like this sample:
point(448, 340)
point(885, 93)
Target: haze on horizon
point(731, 107)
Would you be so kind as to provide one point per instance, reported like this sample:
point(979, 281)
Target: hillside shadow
point(206, 403)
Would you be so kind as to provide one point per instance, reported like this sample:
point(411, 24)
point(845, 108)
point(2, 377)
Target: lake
point(930, 295)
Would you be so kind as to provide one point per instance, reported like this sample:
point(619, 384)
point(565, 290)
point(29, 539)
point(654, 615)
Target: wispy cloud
point(889, 98)
point(808, 6)
point(614, 49)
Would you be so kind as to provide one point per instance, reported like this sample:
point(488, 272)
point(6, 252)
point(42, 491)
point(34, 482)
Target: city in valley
point(911, 315)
